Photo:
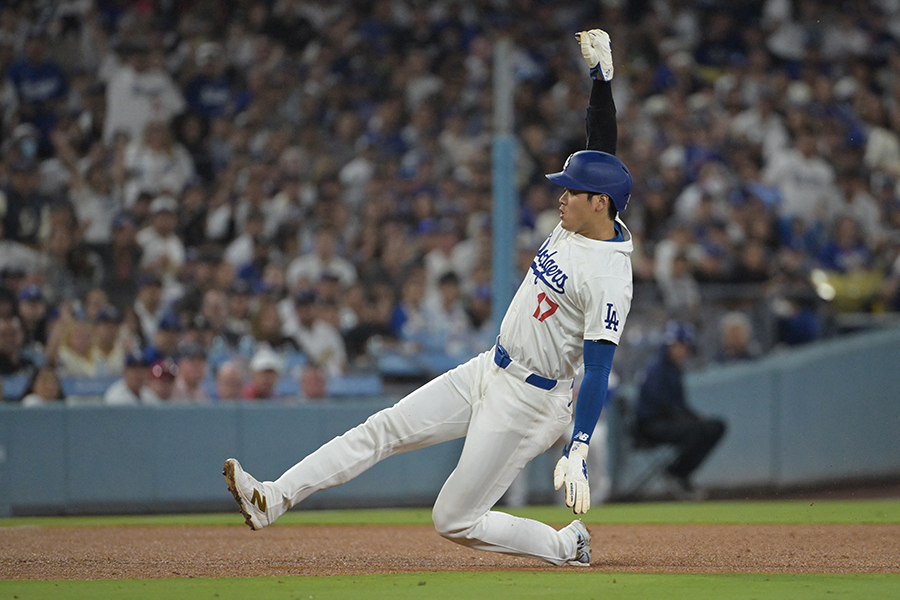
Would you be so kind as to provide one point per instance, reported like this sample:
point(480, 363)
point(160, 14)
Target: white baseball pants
point(506, 423)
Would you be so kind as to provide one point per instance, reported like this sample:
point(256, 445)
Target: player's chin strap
point(571, 471)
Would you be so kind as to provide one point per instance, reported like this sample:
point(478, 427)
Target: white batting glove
point(571, 471)
point(597, 52)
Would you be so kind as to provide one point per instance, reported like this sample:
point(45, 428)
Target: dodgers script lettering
point(545, 268)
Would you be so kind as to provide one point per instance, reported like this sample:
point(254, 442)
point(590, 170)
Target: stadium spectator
point(664, 417)
point(440, 240)
point(163, 250)
point(240, 308)
point(680, 291)
point(41, 87)
point(160, 385)
point(95, 302)
point(241, 251)
point(806, 181)
point(9, 98)
point(137, 91)
point(321, 342)
point(766, 138)
point(753, 263)
point(191, 374)
point(266, 327)
point(111, 344)
point(130, 388)
point(45, 389)
point(229, 381)
point(33, 313)
point(198, 276)
point(372, 330)
point(12, 360)
point(408, 321)
point(156, 163)
point(14, 254)
point(266, 367)
point(71, 269)
point(26, 209)
point(209, 93)
point(74, 355)
point(447, 326)
point(736, 340)
point(313, 383)
point(845, 251)
point(120, 262)
point(167, 337)
point(148, 306)
point(858, 203)
point(307, 269)
point(92, 191)
point(215, 310)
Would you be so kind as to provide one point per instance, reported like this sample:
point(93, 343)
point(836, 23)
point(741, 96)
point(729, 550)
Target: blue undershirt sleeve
point(598, 358)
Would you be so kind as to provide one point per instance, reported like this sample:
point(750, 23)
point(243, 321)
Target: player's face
point(575, 210)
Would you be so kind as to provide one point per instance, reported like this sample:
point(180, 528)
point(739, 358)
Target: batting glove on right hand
point(571, 471)
point(597, 52)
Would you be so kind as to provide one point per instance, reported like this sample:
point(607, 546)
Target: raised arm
point(600, 120)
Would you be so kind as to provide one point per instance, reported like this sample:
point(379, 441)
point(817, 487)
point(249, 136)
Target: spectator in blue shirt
point(663, 416)
point(41, 86)
point(209, 93)
point(845, 251)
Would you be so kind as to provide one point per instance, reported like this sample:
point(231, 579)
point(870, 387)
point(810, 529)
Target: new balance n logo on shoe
point(259, 500)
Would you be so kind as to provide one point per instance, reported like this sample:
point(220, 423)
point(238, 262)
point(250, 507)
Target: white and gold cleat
point(253, 497)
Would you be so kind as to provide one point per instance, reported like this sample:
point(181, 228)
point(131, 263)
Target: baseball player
point(514, 401)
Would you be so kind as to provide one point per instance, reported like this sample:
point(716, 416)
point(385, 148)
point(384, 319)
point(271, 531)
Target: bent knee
point(450, 524)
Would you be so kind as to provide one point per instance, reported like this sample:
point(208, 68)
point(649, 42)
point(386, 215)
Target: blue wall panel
point(112, 455)
point(742, 395)
point(191, 445)
point(822, 413)
point(839, 416)
point(36, 457)
point(5, 507)
point(274, 437)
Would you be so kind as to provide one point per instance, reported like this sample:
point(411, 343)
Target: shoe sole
point(228, 472)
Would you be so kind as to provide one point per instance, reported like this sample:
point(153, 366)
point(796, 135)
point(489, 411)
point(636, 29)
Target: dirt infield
point(210, 551)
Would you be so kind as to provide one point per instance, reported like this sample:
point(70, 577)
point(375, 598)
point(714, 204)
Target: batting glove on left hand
point(571, 471)
point(597, 52)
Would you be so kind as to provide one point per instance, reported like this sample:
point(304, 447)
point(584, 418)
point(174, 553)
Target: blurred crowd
point(249, 183)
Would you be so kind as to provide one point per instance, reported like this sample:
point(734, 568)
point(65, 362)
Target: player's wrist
point(578, 449)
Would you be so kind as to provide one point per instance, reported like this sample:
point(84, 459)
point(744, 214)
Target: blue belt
point(502, 359)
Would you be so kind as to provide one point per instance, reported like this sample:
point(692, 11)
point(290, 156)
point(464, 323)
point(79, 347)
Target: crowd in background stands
point(238, 182)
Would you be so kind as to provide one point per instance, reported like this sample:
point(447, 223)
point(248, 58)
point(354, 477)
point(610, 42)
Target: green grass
point(499, 585)
point(456, 586)
point(793, 511)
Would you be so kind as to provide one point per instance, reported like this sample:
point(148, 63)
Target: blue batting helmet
point(596, 172)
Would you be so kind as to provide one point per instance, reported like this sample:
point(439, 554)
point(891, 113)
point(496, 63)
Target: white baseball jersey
point(577, 289)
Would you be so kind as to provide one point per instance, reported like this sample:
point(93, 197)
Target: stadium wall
point(823, 413)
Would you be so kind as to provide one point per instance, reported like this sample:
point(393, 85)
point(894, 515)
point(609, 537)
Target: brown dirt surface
point(213, 551)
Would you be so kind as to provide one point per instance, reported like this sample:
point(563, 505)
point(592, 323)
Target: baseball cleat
point(583, 545)
point(251, 495)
